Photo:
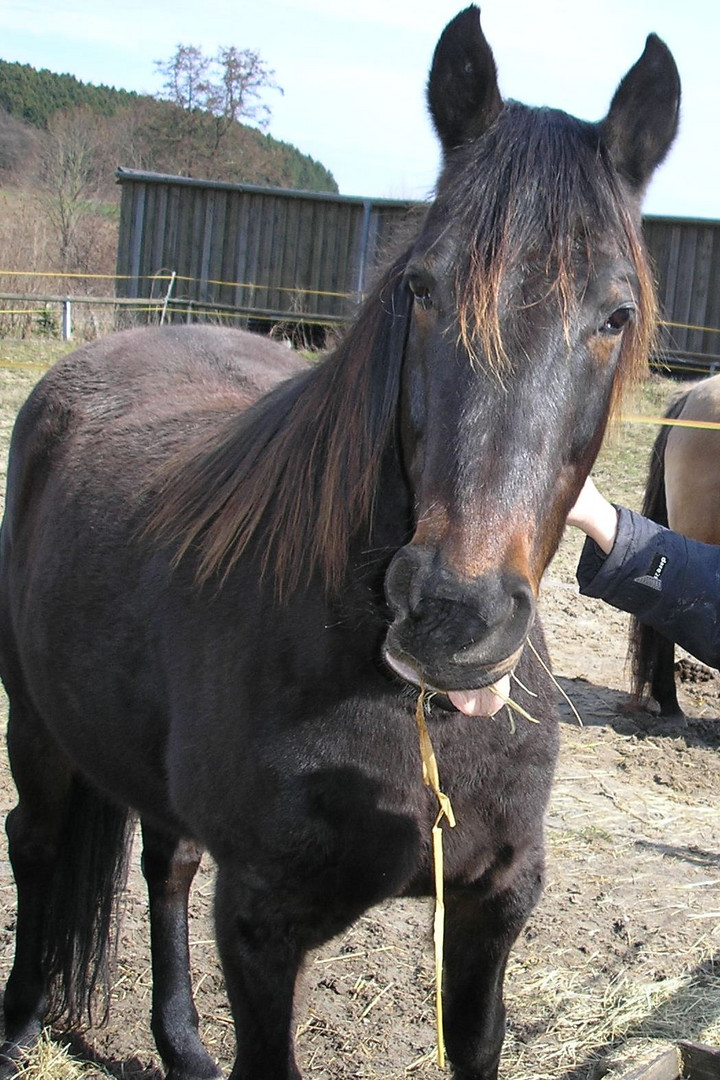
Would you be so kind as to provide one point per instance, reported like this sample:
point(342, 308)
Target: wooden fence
point(272, 254)
point(265, 253)
point(190, 247)
point(686, 254)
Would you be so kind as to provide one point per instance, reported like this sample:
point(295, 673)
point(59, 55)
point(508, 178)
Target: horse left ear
point(643, 118)
point(462, 92)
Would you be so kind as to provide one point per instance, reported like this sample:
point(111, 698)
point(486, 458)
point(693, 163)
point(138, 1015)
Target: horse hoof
point(200, 1070)
point(184, 1075)
point(673, 713)
point(11, 1056)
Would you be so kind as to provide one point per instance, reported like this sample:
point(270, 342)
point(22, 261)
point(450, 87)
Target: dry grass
point(29, 252)
point(51, 1061)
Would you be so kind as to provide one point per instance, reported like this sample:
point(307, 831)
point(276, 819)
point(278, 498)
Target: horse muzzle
point(451, 633)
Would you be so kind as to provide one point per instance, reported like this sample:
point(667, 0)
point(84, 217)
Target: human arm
point(597, 517)
point(668, 581)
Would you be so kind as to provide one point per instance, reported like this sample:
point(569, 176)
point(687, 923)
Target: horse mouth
point(484, 700)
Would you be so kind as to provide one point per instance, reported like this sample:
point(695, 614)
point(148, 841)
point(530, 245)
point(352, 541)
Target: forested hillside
point(139, 131)
point(34, 96)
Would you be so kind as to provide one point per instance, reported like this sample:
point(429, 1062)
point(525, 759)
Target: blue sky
point(354, 73)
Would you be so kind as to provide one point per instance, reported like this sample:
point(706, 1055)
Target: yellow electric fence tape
point(432, 780)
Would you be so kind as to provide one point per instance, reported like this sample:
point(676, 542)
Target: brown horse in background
point(682, 492)
point(224, 574)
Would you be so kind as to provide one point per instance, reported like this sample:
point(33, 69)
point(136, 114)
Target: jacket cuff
point(595, 568)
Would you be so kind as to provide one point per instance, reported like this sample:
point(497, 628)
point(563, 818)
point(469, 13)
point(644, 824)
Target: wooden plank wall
point(686, 256)
point(264, 252)
point(273, 254)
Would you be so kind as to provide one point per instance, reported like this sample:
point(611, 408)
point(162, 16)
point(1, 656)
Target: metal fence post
point(66, 325)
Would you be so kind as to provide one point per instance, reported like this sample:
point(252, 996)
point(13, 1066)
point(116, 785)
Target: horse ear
point(462, 93)
point(643, 118)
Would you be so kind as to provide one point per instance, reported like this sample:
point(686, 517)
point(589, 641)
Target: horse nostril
point(419, 584)
point(523, 599)
point(521, 605)
point(494, 616)
point(405, 581)
point(416, 594)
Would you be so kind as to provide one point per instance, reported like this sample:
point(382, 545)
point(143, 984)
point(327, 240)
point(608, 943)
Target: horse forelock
point(538, 188)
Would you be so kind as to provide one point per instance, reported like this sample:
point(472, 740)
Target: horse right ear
point(462, 93)
point(643, 118)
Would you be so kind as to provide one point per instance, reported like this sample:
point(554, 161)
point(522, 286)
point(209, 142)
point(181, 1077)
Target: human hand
point(595, 516)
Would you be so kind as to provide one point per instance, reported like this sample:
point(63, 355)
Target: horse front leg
point(169, 865)
point(34, 827)
point(480, 931)
point(32, 855)
point(261, 957)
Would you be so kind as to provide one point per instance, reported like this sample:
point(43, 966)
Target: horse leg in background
point(663, 687)
point(169, 865)
point(479, 934)
point(651, 654)
point(261, 957)
point(42, 777)
point(653, 667)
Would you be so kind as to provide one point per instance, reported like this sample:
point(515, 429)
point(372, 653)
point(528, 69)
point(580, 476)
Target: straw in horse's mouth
point(483, 701)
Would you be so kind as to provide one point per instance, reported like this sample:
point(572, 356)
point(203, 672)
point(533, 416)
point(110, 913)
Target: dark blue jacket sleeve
point(667, 581)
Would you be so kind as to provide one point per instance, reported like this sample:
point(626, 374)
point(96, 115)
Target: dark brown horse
point(215, 563)
point(682, 492)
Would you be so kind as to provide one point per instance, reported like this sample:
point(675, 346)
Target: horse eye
point(420, 290)
point(619, 319)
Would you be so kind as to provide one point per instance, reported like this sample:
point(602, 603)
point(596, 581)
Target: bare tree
point(243, 77)
point(186, 78)
point(214, 93)
point(69, 175)
point(186, 87)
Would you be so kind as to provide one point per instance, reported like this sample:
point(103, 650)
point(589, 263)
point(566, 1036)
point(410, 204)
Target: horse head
point(532, 307)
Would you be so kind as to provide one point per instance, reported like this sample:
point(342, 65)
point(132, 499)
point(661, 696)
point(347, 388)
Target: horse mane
point(297, 474)
point(298, 470)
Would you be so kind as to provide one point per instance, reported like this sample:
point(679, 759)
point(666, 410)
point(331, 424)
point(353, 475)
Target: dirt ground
point(617, 961)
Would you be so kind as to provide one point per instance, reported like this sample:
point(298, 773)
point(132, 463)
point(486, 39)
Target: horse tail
point(645, 644)
point(88, 881)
